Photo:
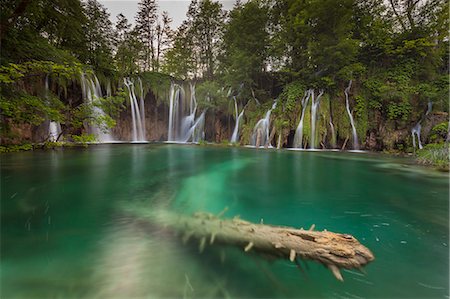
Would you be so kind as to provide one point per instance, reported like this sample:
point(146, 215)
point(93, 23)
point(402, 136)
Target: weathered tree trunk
point(333, 250)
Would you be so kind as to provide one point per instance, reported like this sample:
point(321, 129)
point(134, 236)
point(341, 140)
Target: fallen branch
point(333, 250)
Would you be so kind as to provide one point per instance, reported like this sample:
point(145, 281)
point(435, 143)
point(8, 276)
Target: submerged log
point(333, 250)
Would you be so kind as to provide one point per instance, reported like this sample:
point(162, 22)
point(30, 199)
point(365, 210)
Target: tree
point(41, 30)
point(164, 37)
point(245, 43)
point(146, 23)
point(196, 45)
point(179, 59)
point(128, 47)
point(123, 28)
point(99, 36)
point(206, 31)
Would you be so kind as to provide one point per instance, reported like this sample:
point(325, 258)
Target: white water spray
point(264, 126)
point(298, 138)
point(352, 122)
point(54, 127)
point(137, 111)
point(91, 92)
point(315, 102)
point(187, 128)
point(235, 135)
point(415, 131)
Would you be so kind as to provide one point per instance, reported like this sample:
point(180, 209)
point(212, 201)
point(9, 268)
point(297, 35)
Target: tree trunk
point(333, 250)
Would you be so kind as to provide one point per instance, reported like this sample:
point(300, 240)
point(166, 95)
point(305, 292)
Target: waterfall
point(416, 131)
point(142, 97)
point(184, 128)
point(347, 107)
point(54, 130)
point(188, 121)
point(264, 126)
point(171, 104)
point(418, 127)
point(54, 127)
point(91, 92)
point(298, 138)
point(137, 111)
point(198, 129)
point(314, 108)
point(333, 134)
point(235, 135)
point(175, 105)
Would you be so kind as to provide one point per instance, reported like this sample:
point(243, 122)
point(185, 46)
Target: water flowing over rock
point(54, 127)
point(352, 122)
point(137, 110)
point(54, 130)
point(416, 130)
point(333, 133)
point(184, 128)
point(262, 128)
point(315, 102)
point(91, 92)
point(298, 138)
point(235, 135)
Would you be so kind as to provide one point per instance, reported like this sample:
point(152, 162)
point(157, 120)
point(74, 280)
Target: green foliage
point(245, 44)
point(439, 132)
point(13, 72)
point(83, 138)
point(25, 108)
point(436, 155)
point(114, 104)
point(399, 110)
point(211, 95)
point(157, 83)
point(16, 148)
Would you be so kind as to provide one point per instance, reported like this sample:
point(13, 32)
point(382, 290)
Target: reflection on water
point(65, 233)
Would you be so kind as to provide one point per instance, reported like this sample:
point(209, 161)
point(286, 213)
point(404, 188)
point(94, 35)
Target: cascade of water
point(54, 130)
point(235, 135)
point(315, 102)
point(198, 129)
point(187, 128)
point(333, 134)
point(92, 91)
point(416, 131)
point(176, 101)
point(137, 113)
point(171, 104)
point(263, 125)
point(189, 121)
point(418, 127)
point(347, 107)
point(298, 138)
point(54, 127)
point(142, 97)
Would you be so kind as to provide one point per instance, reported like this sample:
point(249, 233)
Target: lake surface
point(65, 232)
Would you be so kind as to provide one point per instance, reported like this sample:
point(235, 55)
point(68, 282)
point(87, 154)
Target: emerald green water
point(64, 232)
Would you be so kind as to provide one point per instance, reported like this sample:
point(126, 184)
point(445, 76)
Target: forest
point(377, 72)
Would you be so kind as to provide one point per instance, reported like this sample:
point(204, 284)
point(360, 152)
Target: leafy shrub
point(84, 138)
point(435, 154)
point(439, 132)
point(16, 148)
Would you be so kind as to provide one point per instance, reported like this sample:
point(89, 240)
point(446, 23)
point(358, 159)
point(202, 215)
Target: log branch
point(333, 250)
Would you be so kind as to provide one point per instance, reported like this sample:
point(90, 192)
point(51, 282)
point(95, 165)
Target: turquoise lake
point(65, 232)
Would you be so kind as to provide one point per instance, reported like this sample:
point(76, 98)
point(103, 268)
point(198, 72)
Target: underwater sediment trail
point(333, 250)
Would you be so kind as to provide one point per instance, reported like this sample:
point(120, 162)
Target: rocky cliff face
point(217, 125)
point(156, 122)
